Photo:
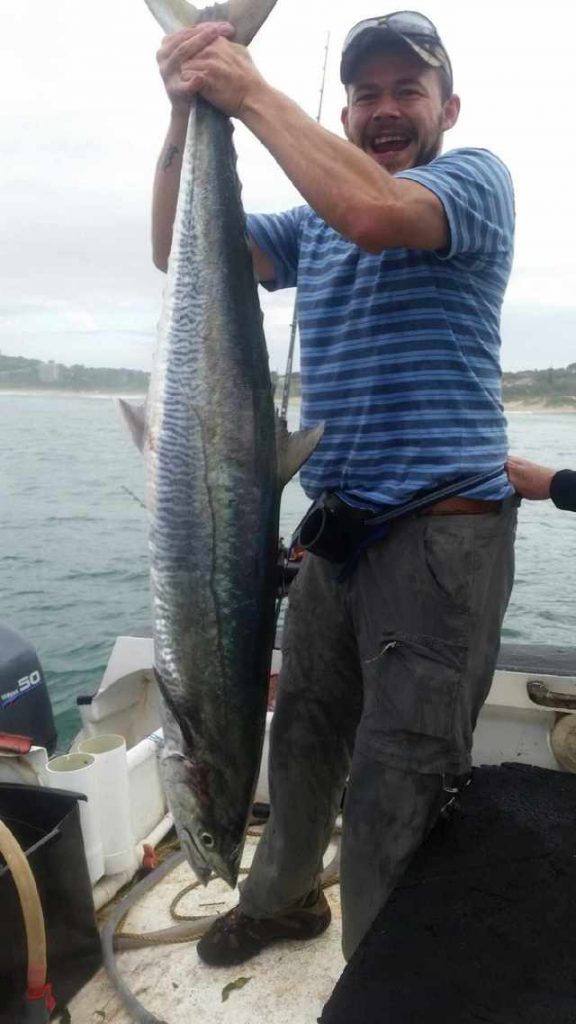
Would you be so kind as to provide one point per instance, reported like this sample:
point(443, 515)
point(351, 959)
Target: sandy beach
point(538, 407)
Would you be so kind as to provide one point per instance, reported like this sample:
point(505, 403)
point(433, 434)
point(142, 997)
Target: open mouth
point(383, 144)
point(196, 856)
point(203, 867)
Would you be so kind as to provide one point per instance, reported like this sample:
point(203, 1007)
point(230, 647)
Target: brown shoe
point(234, 937)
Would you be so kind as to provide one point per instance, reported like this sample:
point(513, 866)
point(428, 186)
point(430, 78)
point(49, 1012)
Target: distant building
point(49, 373)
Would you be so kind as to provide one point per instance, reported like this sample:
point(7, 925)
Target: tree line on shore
point(18, 373)
point(550, 387)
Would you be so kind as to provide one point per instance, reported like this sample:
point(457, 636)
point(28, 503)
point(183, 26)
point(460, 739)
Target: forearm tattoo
point(171, 153)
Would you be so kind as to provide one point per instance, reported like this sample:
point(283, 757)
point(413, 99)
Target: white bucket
point(113, 801)
point(78, 773)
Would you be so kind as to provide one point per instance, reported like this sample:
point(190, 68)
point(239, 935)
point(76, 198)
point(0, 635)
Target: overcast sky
point(83, 115)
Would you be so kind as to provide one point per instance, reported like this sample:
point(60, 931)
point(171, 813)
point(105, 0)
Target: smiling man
point(401, 256)
point(399, 109)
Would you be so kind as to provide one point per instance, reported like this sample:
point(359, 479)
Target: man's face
point(395, 111)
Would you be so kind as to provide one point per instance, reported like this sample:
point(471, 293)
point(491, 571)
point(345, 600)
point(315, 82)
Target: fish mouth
point(196, 857)
point(205, 865)
point(230, 875)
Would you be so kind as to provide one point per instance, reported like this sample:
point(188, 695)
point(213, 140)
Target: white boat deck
point(289, 983)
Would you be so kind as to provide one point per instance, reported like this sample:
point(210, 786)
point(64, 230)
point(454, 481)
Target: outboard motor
point(25, 707)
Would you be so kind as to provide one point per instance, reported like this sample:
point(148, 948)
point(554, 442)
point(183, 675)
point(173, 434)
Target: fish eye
point(207, 840)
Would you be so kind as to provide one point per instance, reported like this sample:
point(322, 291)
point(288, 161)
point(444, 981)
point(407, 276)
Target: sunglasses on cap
point(414, 28)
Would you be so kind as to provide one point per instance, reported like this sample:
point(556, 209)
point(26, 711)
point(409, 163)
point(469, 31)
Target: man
point(537, 483)
point(401, 257)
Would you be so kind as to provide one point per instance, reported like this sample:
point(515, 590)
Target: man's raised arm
point(173, 56)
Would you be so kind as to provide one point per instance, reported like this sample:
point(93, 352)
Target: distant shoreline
point(536, 407)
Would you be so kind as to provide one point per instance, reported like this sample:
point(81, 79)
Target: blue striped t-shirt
point(400, 351)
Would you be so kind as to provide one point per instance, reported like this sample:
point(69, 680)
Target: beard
point(423, 149)
point(431, 147)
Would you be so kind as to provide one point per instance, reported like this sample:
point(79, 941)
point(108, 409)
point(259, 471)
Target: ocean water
point(73, 545)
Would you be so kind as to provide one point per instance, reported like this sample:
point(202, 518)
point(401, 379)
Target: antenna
point(294, 324)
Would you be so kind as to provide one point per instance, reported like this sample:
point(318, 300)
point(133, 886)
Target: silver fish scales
point(216, 461)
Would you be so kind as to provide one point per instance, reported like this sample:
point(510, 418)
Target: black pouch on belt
point(338, 532)
point(332, 529)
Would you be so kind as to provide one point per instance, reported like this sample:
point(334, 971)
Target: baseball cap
point(413, 28)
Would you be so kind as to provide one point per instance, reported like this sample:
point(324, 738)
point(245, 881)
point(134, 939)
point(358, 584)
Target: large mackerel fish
point(216, 461)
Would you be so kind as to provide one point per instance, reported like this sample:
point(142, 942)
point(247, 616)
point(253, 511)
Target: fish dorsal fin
point(294, 449)
point(134, 416)
point(246, 15)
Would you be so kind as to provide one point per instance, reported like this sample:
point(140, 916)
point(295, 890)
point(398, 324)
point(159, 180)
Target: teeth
point(383, 139)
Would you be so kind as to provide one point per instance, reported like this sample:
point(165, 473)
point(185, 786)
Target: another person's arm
point(537, 483)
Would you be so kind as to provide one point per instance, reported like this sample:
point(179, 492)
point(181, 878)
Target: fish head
point(209, 853)
point(210, 829)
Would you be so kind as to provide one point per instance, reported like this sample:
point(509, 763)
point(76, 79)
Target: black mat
point(483, 926)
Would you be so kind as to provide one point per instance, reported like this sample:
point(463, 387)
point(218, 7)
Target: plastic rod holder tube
point(113, 801)
point(78, 773)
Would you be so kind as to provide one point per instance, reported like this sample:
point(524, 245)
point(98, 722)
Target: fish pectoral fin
point(294, 449)
point(134, 416)
point(246, 15)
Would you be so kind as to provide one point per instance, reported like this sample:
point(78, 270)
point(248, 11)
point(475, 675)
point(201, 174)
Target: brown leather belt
point(461, 507)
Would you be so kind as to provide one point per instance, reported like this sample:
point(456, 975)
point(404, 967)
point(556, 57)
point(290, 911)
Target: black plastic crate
point(46, 823)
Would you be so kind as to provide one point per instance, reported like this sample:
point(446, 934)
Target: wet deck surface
point(483, 928)
point(287, 984)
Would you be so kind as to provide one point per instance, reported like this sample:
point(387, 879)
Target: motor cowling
point(25, 707)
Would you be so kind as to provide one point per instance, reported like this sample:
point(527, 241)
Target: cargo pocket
point(448, 554)
point(412, 687)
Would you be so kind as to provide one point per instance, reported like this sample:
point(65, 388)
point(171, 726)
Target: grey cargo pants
point(383, 678)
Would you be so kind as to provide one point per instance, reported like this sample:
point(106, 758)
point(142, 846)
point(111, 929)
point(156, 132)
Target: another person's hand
point(529, 479)
point(176, 54)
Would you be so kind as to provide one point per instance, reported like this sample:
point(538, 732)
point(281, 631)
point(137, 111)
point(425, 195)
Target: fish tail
point(247, 16)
